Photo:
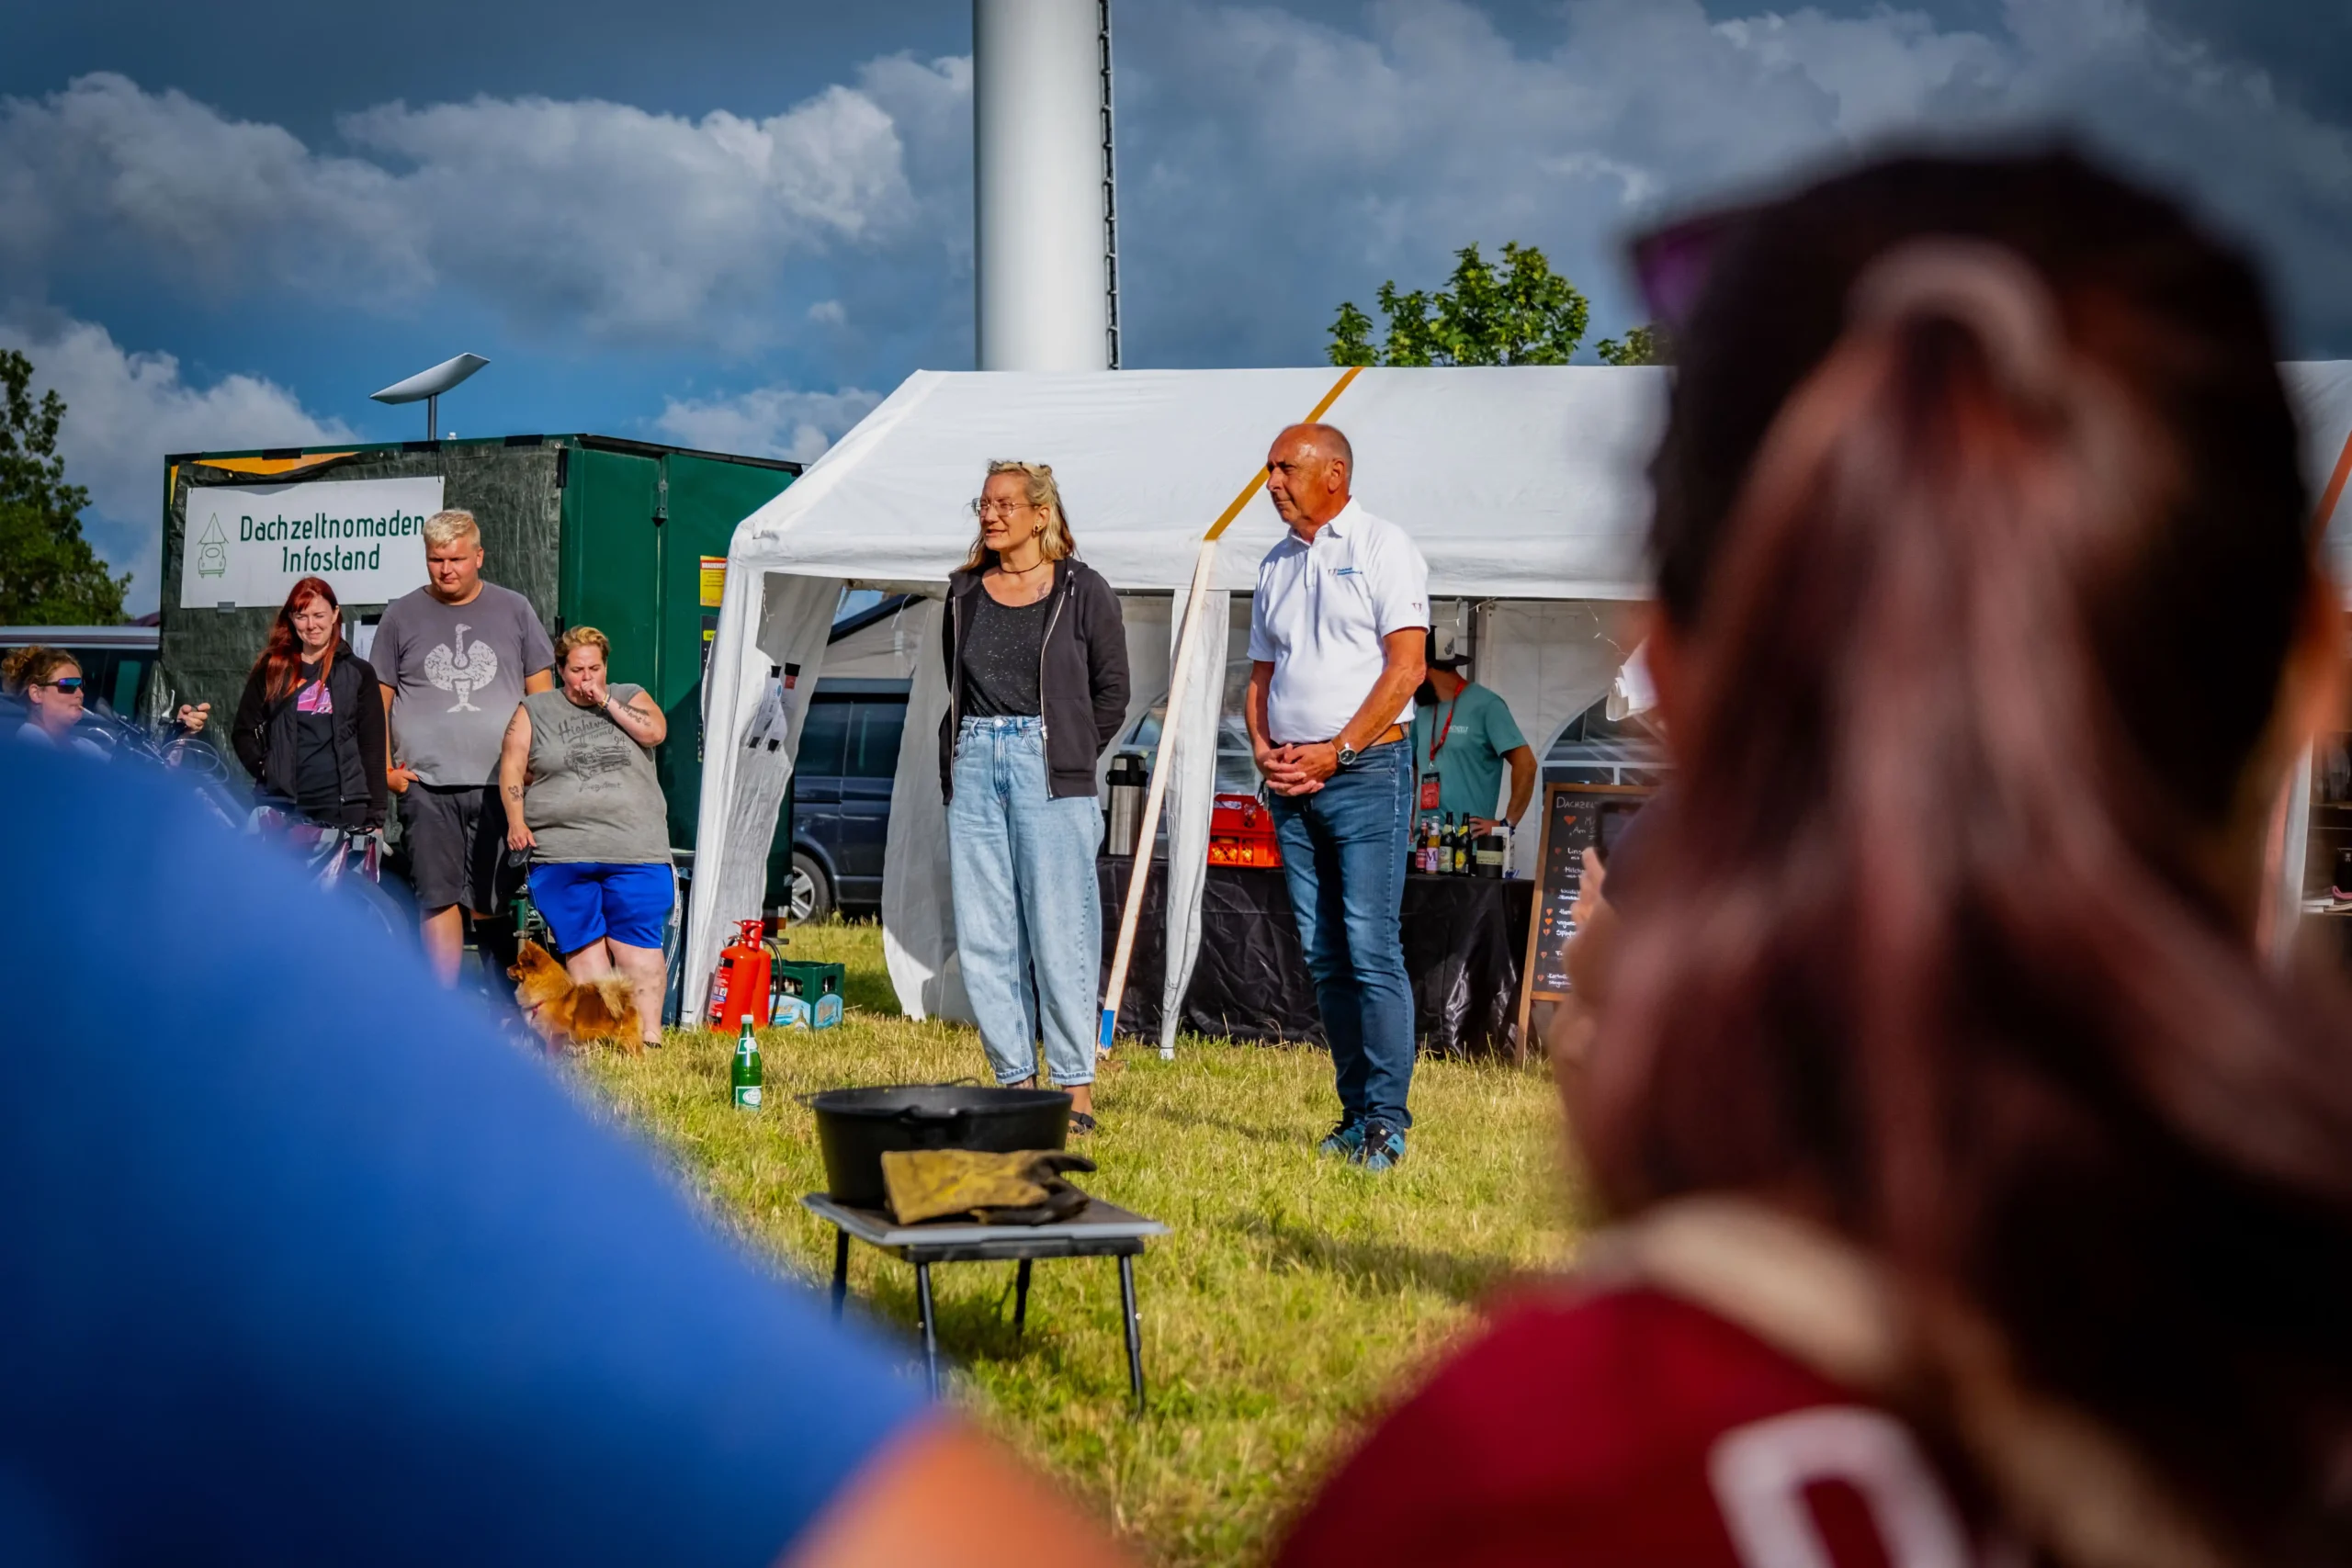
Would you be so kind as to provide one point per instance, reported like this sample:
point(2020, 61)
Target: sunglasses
point(69, 684)
point(1671, 264)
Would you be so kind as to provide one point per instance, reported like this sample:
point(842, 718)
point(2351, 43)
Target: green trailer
point(624, 535)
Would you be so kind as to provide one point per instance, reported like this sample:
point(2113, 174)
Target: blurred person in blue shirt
point(301, 1264)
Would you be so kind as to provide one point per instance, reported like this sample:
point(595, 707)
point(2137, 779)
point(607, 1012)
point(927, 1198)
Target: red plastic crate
point(1242, 832)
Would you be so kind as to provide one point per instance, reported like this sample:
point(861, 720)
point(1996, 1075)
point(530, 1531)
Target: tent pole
point(2289, 855)
point(1140, 877)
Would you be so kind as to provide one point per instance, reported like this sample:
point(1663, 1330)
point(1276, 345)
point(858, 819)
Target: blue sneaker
point(1383, 1146)
point(1344, 1141)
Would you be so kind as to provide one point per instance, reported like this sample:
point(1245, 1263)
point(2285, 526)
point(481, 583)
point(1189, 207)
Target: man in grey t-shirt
point(456, 657)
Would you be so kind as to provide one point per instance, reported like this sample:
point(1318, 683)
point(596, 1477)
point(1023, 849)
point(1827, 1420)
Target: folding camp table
point(1098, 1230)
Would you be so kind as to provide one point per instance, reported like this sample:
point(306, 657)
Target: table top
point(1098, 1222)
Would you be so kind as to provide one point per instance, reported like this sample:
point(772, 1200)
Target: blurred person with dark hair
point(309, 726)
point(1979, 1194)
point(357, 1285)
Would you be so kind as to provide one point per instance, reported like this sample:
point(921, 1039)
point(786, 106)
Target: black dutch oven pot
point(857, 1126)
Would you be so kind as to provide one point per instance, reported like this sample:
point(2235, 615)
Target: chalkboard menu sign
point(1576, 818)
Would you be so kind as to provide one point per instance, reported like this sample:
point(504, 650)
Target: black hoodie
point(262, 734)
point(1082, 686)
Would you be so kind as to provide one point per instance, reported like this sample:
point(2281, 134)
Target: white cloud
point(1272, 164)
point(124, 410)
point(768, 422)
point(600, 217)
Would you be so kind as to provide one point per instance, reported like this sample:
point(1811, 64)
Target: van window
point(824, 735)
point(874, 753)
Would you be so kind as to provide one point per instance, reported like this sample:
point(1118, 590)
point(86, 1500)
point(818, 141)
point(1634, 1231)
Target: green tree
point(1644, 345)
point(1522, 313)
point(49, 574)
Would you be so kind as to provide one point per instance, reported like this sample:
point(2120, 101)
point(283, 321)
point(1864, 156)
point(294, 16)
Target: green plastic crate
point(807, 995)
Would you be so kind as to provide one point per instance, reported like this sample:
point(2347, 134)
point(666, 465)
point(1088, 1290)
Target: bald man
point(1337, 637)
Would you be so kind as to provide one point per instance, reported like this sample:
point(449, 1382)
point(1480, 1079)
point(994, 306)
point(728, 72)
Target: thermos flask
point(1128, 781)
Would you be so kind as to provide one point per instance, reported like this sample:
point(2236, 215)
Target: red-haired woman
point(1979, 1193)
point(311, 725)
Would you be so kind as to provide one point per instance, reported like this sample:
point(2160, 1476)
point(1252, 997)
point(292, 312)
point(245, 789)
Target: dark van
point(840, 795)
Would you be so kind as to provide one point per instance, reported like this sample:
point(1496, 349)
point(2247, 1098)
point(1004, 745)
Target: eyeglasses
point(65, 683)
point(983, 507)
point(1671, 264)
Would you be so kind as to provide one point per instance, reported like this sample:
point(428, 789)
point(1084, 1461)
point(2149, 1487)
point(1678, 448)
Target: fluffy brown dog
point(559, 1009)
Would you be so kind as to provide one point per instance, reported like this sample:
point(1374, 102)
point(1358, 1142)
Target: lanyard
point(1437, 741)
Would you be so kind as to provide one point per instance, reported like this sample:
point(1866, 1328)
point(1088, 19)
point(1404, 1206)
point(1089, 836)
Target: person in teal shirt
point(1462, 741)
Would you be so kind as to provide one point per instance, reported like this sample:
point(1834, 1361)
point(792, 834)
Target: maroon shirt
point(1630, 1426)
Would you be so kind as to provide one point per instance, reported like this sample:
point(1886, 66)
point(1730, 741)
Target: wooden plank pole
point(1178, 678)
point(1137, 879)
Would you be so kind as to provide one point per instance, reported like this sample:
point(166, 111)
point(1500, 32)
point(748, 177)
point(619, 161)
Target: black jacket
point(263, 735)
point(1081, 688)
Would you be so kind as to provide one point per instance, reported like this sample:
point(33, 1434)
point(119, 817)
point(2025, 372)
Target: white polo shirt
point(1320, 614)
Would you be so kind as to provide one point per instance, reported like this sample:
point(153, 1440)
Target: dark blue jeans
point(1343, 852)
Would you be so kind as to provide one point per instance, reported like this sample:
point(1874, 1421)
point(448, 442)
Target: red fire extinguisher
point(739, 986)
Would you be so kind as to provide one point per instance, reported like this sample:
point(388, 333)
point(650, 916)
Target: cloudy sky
point(737, 224)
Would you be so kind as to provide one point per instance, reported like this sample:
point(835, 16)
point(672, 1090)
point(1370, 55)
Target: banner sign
point(248, 545)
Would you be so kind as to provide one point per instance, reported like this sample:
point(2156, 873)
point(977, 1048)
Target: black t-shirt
point(1002, 654)
point(318, 780)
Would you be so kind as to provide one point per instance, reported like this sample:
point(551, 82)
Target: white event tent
point(1524, 488)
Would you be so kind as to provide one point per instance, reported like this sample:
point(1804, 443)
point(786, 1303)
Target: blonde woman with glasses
point(1037, 686)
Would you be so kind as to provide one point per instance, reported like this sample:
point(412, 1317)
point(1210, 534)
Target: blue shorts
point(586, 902)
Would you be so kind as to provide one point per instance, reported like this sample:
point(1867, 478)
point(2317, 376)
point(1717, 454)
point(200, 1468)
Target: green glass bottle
point(747, 1068)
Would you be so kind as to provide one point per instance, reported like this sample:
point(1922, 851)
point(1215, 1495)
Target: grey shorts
point(457, 847)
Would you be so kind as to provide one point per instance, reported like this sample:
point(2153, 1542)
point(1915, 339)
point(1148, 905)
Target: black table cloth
point(1464, 939)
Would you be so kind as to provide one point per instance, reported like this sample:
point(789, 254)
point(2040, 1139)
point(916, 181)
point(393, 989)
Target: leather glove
point(1024, 1188)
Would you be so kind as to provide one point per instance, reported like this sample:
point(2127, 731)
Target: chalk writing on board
point(1576, 818)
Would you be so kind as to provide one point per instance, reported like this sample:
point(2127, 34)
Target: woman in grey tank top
point(576, 776)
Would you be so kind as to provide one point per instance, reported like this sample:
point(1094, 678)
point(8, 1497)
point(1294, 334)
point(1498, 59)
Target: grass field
point(1293, 1296)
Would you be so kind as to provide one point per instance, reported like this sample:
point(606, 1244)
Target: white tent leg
point(918, 897)
point(1140, 877)
point(748, 768)
point(1188, 750)
point(2292, 846)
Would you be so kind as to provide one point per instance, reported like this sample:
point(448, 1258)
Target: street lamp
point(428, 384)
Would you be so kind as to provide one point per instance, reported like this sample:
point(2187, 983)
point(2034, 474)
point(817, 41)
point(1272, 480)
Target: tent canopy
point(1527, 482)
point(1525, 485)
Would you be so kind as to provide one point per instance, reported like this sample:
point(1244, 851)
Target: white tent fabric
point(1526, 479)
point(1520, 484)
point(918, 910)
point(1548, 661)
point(1191, 787)
point(795, 615)
point(882, 652)
point(2322, 393)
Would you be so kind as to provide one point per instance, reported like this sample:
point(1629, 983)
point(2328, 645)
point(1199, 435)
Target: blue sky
point(738, 224)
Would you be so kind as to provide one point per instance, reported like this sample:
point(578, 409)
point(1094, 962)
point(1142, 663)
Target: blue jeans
point(1343, 854)
point(1023, 866)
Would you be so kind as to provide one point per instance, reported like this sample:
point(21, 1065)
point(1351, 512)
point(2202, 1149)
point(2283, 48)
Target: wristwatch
point(1348, 754)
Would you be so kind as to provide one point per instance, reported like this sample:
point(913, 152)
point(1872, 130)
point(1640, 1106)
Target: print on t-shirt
point(466, 670)
point(593, 746)
point(314, 698)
